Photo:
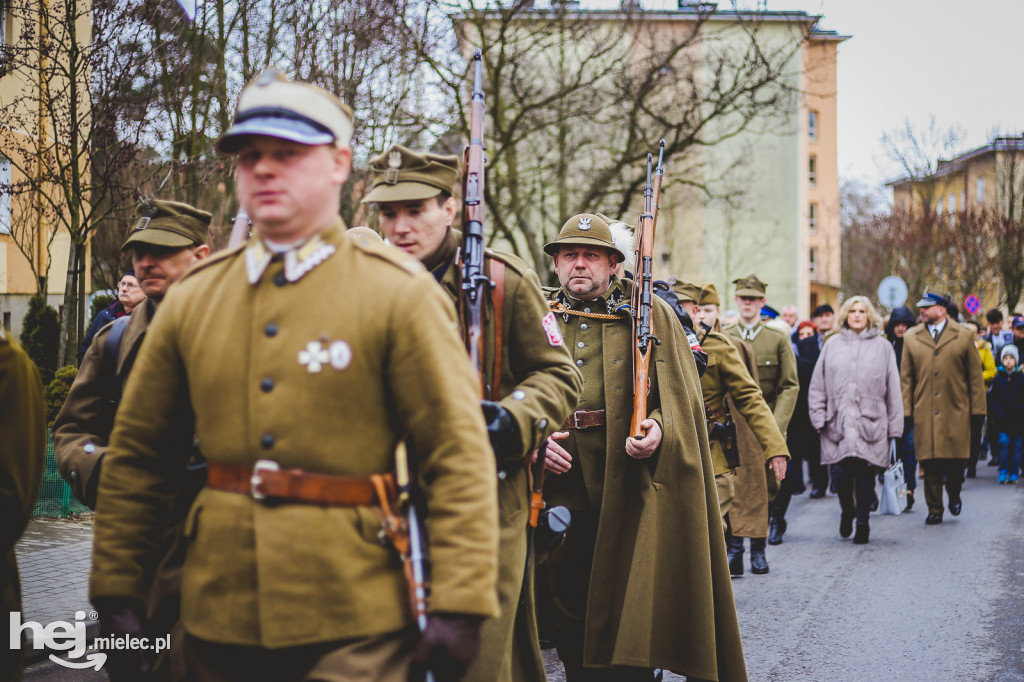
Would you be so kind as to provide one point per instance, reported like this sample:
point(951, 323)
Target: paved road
point(917, 603)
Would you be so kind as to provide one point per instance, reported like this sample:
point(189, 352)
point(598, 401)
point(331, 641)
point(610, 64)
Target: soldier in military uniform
point(23, 434)
point(776, 374)
point(641, 581)
point(168, 238)
point(533, 383)
point(731, 394)
point(303, 358)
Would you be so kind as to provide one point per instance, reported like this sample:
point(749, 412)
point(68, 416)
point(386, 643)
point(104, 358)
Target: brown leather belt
point(584, 419)
point(266, 480)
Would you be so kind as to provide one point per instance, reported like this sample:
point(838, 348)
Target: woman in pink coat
point(855, 404)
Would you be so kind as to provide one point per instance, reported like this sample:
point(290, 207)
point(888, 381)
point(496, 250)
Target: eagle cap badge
point(584, 223)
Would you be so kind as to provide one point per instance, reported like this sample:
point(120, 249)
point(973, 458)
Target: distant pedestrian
point(997, 336)
point(1006, 413)
point(900, 320)
point(945, 396)
point(824, 320)
point(129, 295)
point(855, 404)
point(988, 361)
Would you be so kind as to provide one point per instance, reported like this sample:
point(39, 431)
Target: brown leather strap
point(296, 485)
point(498, 297)
point(584, 419)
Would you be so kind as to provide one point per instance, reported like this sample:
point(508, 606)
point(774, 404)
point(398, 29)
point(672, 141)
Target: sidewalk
point(53, 560)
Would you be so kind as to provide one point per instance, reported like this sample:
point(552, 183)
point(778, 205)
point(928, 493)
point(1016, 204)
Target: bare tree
point(919, 153)
point(1007, 235)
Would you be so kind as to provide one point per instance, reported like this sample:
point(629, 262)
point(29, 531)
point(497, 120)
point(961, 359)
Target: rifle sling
point(497, 276)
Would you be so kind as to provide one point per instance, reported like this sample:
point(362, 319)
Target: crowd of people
point(262, 431)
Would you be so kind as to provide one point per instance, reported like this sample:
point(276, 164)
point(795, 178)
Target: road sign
point(892, 292)
point(972, 304)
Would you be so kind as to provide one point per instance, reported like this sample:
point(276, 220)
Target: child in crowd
point(1006, 413)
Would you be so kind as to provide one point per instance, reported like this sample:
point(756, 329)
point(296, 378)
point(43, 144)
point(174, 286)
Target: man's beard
point(581, 290)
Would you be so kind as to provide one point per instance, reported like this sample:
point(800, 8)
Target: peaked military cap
point(750, 286)
point(276, 106)
point(685, 291)
point(930, 298)
point(400, 174)
point(168, 223)
point(586, 229)
point(708, 295)
point(768, 312)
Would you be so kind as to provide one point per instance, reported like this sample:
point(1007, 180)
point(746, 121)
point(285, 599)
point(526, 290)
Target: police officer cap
point(170, 224)
point(275, 106)
point(769, 312)
point(750, 286)
point(930, 298)
point(585, 229)
point(685, 291)
point(400, 174)
point(708, 295)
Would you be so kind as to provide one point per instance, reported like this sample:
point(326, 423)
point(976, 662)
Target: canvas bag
point(894, 485)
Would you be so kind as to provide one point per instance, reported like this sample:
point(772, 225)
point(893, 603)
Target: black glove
point(449, 644)
point(501, 430)
point(122, 617)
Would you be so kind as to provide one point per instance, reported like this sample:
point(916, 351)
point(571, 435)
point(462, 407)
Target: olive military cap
point(685, 291)
point(169, 224)
point(400, 174)
point(275, 106)
point(750, 286)
point(708, 295)
point(586, 229)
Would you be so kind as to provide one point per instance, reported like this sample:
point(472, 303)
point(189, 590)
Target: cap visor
point(552, 247)
point(154, 236)
point(926, 302)
point(282, 128)
point(750, 293)
point(401, 191)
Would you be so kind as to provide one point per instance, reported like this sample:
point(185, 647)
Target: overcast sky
point(961, 62)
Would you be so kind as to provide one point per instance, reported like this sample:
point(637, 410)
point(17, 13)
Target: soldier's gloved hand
point(450, 642)
point(501, 429)
point(123, 617)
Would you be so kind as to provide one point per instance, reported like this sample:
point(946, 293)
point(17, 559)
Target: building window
point(812, 264)
point(7, 321)
point(812, 170)
point(5, 196)
point(981, 190)
point(940, 205)
point(812, 217)
point(952, 203)
point(812, 124)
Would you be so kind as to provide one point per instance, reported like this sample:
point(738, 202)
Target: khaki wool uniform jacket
point(942, 388)
point(322, 362)
point(538, 381)
point(80, 436)
point(659, 588)
point(776, 370)
point(754, 486)
point(22, 448)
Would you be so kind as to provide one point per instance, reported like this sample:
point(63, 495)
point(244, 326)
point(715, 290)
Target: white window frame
point(812, 169)
point(812, 216)
point(5, 195)
point(940, 205)
point(812, 124)
point(980, 190)
point(812, 264)
point(952, 203)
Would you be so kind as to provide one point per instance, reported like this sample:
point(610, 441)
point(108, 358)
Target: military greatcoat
point(22, 446)
point(654, 576)
point(776, 369)
point(322, 361)
point(538, 381)
point(942, 389)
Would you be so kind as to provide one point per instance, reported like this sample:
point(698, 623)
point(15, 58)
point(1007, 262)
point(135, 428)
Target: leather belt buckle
point(257, 479)
point(576, 420)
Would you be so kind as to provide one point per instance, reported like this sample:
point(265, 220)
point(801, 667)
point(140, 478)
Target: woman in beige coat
point(856, 405)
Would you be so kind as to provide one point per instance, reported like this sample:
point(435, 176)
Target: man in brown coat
point(303, 359)
point(22, 446)
point(641, 581)
point(944, 395)
point(533, 383)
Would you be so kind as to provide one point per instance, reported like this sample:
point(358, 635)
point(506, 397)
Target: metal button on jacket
point(267, 441)
point(270, 330)
point(267, 385)
point(583, 326)
point(579, 363)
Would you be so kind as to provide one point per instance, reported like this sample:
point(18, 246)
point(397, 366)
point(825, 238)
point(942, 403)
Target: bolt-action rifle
point(643, 295)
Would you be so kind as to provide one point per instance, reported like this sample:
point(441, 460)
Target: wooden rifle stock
point(643, 295)
point(474, 282)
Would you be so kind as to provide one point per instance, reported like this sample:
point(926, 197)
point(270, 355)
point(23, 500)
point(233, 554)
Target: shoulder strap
point(498, 299)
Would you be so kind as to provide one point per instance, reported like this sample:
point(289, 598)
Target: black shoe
point(734, 549)
point(799, 490)
point(845, 525)
point(817, 494)
point(955, 507)
point(861, 538)
point(934, 518)
point(910, 501)
point(994, 462)
point(758, 562)
point(776, 529)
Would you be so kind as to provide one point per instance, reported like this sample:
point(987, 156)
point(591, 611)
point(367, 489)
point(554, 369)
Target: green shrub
point(40, 337)
point(101, 302)
point(57, 392)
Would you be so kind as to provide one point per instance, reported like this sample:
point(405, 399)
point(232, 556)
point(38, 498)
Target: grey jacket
point(854, 399)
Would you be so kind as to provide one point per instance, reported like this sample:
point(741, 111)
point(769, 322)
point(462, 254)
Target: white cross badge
point(314, 357)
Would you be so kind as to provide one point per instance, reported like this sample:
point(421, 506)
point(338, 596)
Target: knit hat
point(1009, 349)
